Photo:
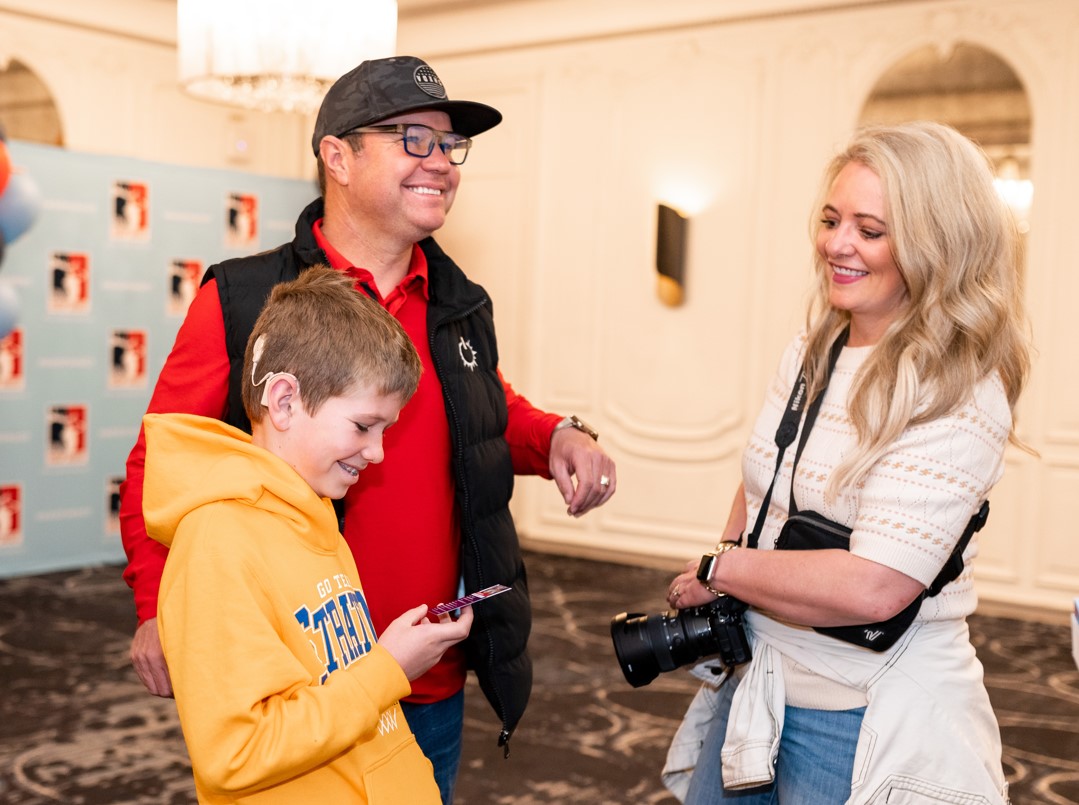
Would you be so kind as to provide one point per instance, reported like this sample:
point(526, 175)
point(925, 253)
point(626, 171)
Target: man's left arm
point(582, 471)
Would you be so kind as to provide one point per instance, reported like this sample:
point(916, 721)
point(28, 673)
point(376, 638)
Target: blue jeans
point(814, 767)
point(437, 727)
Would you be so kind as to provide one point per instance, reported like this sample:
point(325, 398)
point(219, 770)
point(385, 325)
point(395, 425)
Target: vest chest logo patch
point(469, 356)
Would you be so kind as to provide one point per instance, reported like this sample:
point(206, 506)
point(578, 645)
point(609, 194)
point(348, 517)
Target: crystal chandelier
point(277, 55)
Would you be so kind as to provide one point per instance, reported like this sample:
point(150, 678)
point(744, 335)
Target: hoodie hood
point(194, 461)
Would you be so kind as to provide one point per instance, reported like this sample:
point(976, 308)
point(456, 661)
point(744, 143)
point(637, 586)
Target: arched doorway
point(977, 92)
point(27, 109)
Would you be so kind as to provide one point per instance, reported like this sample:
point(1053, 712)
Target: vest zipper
point(466, 527)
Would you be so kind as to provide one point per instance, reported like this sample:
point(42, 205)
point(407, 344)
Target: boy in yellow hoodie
point(284, 695)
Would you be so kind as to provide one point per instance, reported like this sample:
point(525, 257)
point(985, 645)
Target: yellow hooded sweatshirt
point(283, 693)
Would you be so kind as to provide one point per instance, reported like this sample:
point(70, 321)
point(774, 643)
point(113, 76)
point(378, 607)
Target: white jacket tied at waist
point(928, 735)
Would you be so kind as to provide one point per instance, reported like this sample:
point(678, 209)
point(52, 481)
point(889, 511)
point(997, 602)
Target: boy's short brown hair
point(332, 338)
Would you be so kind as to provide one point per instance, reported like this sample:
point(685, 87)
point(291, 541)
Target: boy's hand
point(417, 643)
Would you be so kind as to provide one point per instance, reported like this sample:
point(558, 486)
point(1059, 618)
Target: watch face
point(584, 427)
point(705, 568)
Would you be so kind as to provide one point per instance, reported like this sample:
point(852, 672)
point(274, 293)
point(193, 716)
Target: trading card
point(471, 598)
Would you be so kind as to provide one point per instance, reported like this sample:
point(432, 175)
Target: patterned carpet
point(76, 727)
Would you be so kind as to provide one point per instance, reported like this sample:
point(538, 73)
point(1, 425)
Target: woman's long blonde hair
point(956, 245)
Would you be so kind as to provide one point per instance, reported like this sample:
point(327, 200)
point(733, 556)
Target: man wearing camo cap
point(434, 516)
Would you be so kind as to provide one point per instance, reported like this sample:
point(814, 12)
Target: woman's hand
point(686, 591)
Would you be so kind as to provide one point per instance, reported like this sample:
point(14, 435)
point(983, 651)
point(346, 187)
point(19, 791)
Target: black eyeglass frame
point(437, 136)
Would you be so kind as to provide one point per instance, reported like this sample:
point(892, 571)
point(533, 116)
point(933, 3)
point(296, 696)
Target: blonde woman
point(917, 266)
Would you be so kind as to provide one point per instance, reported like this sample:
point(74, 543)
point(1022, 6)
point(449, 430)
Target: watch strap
point(577, 423)
point(721, 548)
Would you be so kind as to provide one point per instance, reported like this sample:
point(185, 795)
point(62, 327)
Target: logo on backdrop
point(127, 368)
point(112, 504)
point(12, 362)
point(69, 290)
point(242, 221)
point(184, 278)
point(130, 211)
point(10, 514)
point(66, 426)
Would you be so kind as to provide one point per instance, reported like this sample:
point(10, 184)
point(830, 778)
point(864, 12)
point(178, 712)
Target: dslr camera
point(646, 645)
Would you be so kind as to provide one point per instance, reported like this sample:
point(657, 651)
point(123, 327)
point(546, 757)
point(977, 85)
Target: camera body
point(648, 644)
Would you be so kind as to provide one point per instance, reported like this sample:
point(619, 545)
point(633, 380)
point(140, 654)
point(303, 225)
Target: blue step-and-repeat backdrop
point(103, 278)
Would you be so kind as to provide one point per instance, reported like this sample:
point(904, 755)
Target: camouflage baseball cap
point(382, 88)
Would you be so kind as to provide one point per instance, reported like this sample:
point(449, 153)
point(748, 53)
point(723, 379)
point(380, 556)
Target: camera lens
point(634, 649)
point(647, 645)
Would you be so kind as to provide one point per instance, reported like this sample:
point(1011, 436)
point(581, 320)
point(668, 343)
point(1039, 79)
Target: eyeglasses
point(420, 140)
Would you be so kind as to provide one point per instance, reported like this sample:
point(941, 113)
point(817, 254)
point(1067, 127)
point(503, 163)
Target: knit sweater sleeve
point(915, 503)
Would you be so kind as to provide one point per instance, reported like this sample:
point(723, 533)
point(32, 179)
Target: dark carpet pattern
point(76, 726)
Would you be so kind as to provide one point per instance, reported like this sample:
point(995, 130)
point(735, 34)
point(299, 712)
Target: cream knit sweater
point(912, 508)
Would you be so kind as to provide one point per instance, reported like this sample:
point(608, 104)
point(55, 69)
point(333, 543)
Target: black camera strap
point(788, 429)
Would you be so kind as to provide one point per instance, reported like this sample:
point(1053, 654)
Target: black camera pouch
point(808, 530)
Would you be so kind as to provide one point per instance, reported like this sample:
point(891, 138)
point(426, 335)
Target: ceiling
point(968, 86)
point(417, 6)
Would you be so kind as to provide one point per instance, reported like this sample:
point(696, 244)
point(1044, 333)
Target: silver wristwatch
point(579, 424)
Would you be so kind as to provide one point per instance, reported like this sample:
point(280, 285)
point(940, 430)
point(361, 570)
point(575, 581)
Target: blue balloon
point(19, 206)
point(9, 308)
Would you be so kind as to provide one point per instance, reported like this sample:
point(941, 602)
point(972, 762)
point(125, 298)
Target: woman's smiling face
point(854, 243)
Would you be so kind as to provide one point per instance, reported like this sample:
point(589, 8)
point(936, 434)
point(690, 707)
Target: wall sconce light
point(671, 228)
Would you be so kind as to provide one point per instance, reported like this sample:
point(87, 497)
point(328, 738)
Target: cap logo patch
point(427, 81)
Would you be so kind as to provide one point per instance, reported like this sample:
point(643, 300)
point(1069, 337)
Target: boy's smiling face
point(330, 449)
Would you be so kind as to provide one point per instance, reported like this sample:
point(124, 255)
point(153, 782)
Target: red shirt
point(401, 519)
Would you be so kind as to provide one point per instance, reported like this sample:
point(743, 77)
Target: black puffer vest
point(460, 326)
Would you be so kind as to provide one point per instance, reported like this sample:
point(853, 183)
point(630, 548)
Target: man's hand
point(576, 454)
point(149, 659)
